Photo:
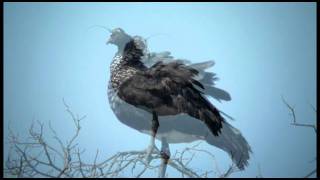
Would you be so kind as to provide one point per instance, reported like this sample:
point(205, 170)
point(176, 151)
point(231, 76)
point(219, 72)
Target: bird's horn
point(103, 27)
point(159, 34)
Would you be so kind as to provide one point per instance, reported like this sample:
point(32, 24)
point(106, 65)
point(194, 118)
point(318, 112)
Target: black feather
point(167, 89)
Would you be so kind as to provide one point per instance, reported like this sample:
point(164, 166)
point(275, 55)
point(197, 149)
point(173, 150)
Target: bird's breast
point(120, 72)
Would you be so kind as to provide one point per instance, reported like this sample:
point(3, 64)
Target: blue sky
point(261, 50)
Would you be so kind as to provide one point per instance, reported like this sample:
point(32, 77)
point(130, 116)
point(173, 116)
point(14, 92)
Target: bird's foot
point(165, 156)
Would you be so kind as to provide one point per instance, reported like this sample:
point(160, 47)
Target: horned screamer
point(166, 99)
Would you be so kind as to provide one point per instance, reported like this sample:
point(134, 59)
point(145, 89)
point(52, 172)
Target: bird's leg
point(165, 156)
point(154, 128)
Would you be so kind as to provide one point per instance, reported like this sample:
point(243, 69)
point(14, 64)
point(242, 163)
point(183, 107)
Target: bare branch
point(313, 126)
point(311, 173)
point(295, 120)
point(36, 157)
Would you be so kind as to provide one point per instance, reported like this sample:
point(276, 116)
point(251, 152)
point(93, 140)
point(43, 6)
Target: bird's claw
point(165, 156)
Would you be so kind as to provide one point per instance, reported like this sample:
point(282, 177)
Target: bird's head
point(118, 37)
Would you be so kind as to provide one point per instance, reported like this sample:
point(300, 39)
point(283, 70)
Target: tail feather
point(232, 142)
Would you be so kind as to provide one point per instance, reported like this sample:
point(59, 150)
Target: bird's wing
point(170, 89)
point(158, 83)
point(164, 56)
point(208, 79)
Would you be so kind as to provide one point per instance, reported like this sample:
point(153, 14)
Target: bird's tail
point(231, 141)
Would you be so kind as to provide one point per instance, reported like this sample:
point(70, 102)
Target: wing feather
point(170, 89)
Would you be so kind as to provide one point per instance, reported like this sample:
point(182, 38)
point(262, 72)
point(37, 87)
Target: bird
point(166, 98)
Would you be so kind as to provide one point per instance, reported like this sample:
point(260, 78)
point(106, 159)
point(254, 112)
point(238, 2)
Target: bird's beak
point(109, 41)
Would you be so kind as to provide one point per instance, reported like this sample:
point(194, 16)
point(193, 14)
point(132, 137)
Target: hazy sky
point(261, 50)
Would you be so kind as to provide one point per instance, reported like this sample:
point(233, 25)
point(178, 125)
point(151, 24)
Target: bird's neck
point(122, 44)
point(120, 49)
point(121, 70)
point(125, 64)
